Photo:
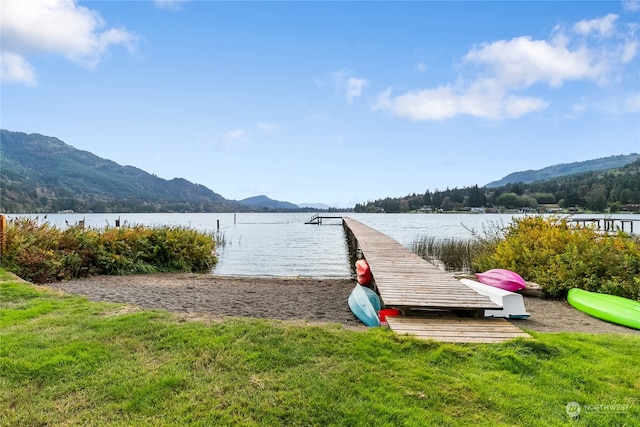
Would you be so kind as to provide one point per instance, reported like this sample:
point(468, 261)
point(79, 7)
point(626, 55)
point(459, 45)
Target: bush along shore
point(43, 253)
point(549, 251)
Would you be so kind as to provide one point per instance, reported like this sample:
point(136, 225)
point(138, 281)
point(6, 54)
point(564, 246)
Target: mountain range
point(564, 169)
point(43, 174)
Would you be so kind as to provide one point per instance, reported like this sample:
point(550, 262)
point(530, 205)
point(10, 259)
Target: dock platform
point(317, 219)
point(406, 281)
point(607, 225)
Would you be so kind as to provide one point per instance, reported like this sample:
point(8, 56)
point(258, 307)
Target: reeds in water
point(454, 254)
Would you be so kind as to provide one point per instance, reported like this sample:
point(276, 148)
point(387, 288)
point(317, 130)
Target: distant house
point(477, 210)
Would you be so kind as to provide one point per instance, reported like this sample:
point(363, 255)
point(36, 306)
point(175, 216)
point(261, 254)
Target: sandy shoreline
point(288, 298)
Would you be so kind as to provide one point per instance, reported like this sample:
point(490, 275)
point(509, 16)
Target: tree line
point(598, 191)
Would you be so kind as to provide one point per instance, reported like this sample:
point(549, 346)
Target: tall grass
point(66, 361)
point(453, 254)
point(457, 254)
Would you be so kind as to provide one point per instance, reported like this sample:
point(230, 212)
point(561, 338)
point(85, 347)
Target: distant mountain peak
point(39, 173)
point(263, 202)
point(564, 169)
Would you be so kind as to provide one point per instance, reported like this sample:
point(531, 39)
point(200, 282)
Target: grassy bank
point(67, 361)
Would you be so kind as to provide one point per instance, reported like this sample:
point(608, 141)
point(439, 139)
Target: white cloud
point(603, 26)
point(59, 27)
point(522, 62)
point(578, 109)
point(631, 5)
point(169, 4)
point(594, 50)
point(232, 137)
point(268, 127)
point(14, 69)
point(445, 102)
point(616, 104)
point(352, 86)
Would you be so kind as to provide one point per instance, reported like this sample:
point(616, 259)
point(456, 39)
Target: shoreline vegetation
point(41, 253)
point(546, 250)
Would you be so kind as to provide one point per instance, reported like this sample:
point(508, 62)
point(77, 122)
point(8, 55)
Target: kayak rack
point(434, 304)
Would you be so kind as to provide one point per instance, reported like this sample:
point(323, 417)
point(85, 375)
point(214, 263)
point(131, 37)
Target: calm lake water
point(281, 244)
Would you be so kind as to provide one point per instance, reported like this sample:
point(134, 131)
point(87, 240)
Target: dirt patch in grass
point(197, 296)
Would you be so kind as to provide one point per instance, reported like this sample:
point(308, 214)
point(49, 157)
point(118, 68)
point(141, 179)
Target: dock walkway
point(405, 281)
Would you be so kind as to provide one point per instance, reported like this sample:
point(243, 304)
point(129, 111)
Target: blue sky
point(332, 102)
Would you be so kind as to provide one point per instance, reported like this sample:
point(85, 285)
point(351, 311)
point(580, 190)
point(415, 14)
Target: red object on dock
point(363, 272)
point(387, 312)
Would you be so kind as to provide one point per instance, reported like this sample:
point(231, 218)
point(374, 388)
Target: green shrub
point(43, 253)
point(560, 256)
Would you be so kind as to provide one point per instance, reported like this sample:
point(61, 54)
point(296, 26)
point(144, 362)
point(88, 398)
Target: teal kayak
point(365, 304)
point(612, 308)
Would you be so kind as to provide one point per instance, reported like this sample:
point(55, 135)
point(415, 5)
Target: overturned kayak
point(611, 308)
point(365, 304)
point(363, 272)
point(512, 303)
point(503, 279)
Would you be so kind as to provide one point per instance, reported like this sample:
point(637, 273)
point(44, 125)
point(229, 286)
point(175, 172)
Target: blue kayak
point(365, 304)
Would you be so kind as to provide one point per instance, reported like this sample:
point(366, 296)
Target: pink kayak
point(503, 279)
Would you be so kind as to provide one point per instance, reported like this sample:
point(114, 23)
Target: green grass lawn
point(67, 361)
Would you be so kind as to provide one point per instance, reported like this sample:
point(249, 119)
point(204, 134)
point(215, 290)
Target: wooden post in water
point(218, 224)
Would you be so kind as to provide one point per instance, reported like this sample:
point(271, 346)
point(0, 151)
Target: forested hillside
point(565, 169)
point(43, 174)
point(615, 190)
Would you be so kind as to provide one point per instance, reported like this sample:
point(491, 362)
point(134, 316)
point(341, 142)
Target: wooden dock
point(317, 219)
point(405, 281)
point(607, 225)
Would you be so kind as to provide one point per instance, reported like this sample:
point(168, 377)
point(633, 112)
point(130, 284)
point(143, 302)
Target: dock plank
point(457, 330)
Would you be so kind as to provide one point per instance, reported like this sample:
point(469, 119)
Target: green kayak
point(611, 308)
